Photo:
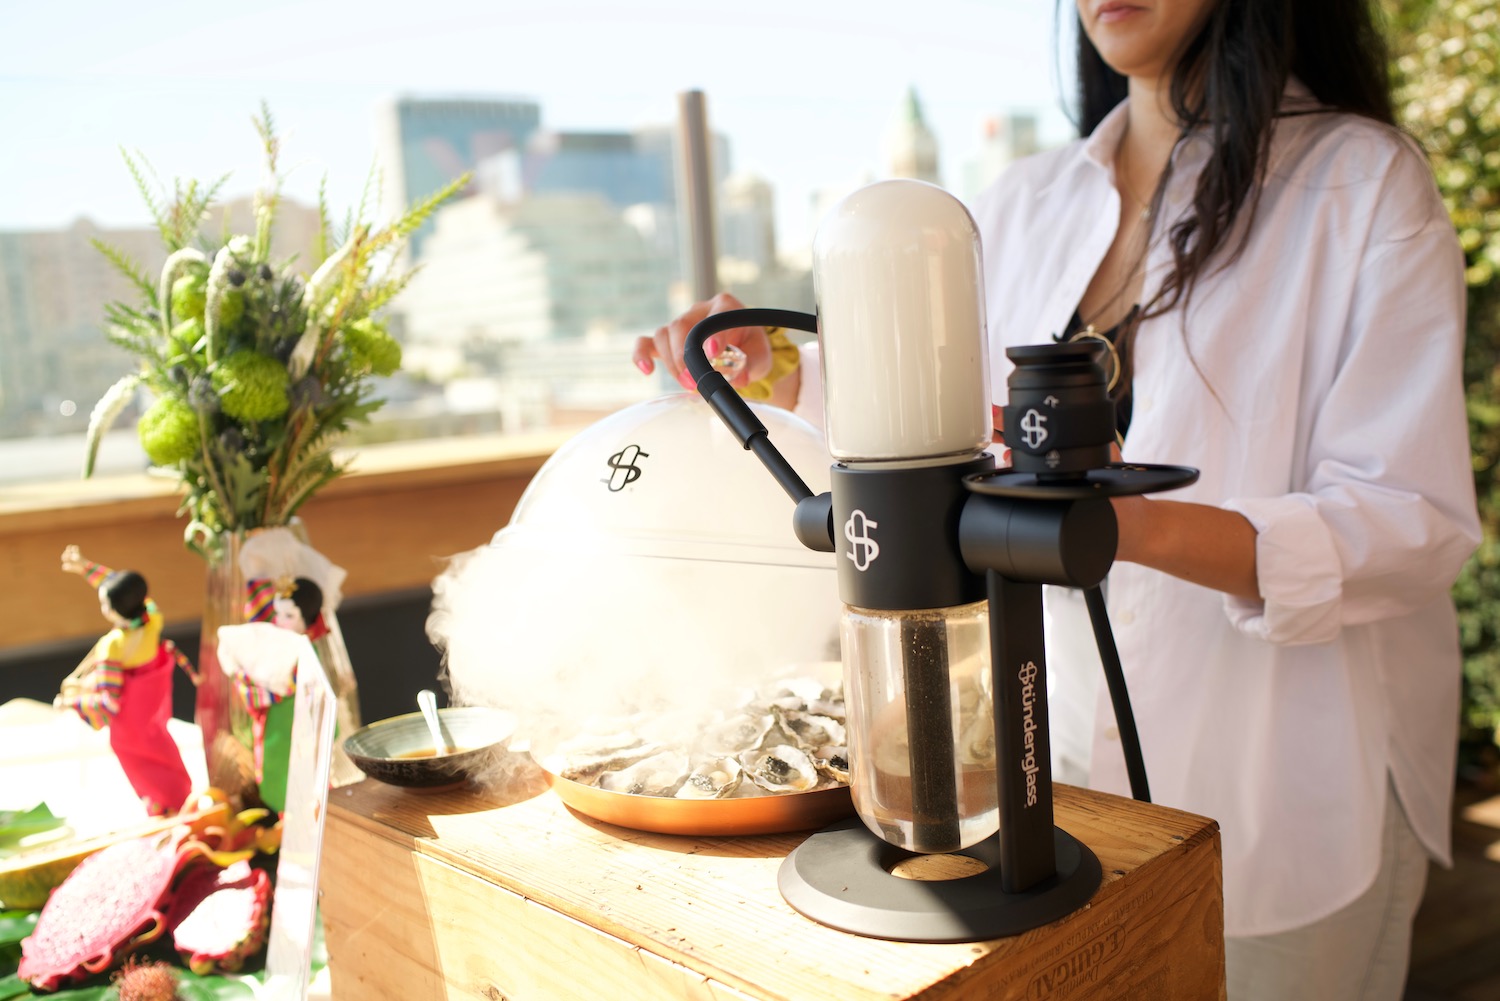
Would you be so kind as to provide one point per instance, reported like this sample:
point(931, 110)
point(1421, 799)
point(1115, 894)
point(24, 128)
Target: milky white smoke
point(676, 588)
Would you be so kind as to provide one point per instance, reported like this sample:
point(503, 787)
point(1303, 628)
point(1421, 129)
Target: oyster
point(771, 735)
point(782, 768)
point(739, 732)
point(812, 730)
point(711, 777)
point(585, 759)
point(833, 762)
point(661, 774)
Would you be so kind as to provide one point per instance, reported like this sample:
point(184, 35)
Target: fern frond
point(126, 265)
point(197, 208)
point(102, 417)
point(132, 330)
point(265, 127)
point(417, 214)
point(322, 242)
point(144, 188)
point(372, 182)
point(269, 194)
point(306, 482)
point(383, 292)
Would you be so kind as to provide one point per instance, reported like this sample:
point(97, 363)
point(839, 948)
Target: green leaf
point(13, 987)
point(214, 987)
point(17, 824)
point(16, 925)
point(97, 992)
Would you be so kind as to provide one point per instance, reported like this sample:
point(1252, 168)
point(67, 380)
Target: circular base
point(841, 877)
point(1114, 480)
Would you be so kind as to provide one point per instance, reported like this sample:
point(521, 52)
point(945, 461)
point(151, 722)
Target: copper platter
point(777, 814)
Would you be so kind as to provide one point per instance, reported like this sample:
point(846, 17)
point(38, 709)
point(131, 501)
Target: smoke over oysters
point(650, 571)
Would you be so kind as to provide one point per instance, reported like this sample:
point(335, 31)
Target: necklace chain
point(1120, 175)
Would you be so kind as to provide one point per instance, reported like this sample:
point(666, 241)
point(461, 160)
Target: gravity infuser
point(941, 562)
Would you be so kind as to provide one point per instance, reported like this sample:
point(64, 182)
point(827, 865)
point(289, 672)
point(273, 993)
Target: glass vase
point(221, 715)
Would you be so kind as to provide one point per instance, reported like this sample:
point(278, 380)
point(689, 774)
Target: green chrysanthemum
point(169, 431)
point(187, 334)
point(189, 296)
point(231, 308)
point(371, 347)
point(251, 386)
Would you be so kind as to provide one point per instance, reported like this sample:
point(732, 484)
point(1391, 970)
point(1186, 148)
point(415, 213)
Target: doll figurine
point(260, 658)
point(125, 684)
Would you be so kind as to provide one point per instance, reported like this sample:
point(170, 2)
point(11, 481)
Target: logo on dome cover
point(624, 470)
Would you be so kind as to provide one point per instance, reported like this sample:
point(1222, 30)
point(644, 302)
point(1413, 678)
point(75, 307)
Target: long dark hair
point(1230, 80)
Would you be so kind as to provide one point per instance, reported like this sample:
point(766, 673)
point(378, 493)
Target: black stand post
point(1023, 752)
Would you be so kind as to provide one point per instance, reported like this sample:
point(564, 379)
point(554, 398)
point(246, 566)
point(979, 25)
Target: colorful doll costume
point(129, 690)
point(290, 590)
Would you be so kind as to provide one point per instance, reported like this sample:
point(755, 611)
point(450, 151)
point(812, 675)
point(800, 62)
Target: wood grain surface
point(509, 894)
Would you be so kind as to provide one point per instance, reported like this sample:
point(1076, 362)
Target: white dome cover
point(667, 478)
point(650, 564)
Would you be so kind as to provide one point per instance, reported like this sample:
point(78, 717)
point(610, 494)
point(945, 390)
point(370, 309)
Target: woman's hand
point(72, 561)
point(666, 345)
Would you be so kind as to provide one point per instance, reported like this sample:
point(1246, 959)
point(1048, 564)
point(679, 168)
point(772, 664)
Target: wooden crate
point(514, 897)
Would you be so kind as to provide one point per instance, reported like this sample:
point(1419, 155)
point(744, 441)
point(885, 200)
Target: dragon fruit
point(108, 906)
point(220, 916)
point(116, 900)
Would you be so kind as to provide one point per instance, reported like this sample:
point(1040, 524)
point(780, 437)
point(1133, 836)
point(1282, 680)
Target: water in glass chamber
point(920, 702)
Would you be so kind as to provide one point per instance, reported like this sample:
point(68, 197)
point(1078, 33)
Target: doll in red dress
point(125, 684)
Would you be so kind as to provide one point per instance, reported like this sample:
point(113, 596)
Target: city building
point(910, 147)
point(548, 267)
point(421, 144)
point(1006, 139)
point(747, 221)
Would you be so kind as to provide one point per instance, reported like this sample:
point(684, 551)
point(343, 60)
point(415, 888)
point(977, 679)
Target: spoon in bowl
point(427, 702)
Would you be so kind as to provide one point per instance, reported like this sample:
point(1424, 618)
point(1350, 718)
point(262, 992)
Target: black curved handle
point(728, 404)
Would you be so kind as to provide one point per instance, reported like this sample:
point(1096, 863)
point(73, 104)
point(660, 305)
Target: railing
point(390, 522)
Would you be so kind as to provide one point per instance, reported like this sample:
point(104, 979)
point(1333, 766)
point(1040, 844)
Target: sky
point(804, 90)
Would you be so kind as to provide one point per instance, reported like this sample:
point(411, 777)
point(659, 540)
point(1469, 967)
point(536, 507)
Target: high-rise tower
point(424, 143)
point(910, 147)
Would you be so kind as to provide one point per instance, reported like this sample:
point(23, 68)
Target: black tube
point(696, 359)
point(1119, 695)
point(728, 404)
point(929, 735)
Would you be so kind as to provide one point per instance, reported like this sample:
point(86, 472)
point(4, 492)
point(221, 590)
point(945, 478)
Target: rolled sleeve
point(1298, 570)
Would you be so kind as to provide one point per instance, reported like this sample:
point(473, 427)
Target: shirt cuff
point(1298, 570)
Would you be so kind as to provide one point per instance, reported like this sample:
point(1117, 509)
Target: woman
point(125, 683)
point(1283, 292)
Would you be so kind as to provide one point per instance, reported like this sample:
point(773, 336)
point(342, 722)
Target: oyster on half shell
point(781, 768)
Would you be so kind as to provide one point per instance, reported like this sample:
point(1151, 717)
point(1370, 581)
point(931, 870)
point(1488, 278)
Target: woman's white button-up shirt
point(1315, 382)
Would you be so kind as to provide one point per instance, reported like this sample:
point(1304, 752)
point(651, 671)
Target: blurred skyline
point(803, 91)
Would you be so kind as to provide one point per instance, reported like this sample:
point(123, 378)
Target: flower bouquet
point(257, 367)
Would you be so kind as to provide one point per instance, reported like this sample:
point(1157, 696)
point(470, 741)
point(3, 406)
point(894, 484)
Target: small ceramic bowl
point(399, 750)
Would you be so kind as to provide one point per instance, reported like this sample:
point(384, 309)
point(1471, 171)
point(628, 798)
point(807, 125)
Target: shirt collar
point(1100, 146)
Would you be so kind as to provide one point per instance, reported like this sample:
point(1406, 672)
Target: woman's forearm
point(1195, 542)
